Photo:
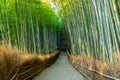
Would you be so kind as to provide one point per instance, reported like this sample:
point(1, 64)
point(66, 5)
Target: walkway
point(60, 70)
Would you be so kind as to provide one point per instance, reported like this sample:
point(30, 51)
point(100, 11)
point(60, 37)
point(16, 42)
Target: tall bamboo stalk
point(93, 27)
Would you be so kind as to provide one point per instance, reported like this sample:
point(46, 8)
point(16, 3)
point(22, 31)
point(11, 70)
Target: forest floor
point(60, 70)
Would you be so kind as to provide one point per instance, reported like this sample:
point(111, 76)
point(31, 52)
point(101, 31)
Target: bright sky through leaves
point(53, 5)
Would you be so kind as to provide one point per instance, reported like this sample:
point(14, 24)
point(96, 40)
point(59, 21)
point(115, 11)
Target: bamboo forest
point(59, 39)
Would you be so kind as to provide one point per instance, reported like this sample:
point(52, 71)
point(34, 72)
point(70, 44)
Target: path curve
point(60, 70)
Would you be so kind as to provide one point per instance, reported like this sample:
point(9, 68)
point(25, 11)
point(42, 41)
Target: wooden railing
point(90, 74)
point(29, 71)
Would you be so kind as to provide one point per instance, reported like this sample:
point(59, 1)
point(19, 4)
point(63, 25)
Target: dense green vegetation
point(88, 29)
point(29, 25)
point(93, 27)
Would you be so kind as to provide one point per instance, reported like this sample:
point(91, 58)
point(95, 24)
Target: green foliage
point(93, 27)
point(29, 25)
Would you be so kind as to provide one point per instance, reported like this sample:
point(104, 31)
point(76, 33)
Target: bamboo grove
point(93, 27)
point(28, 26)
